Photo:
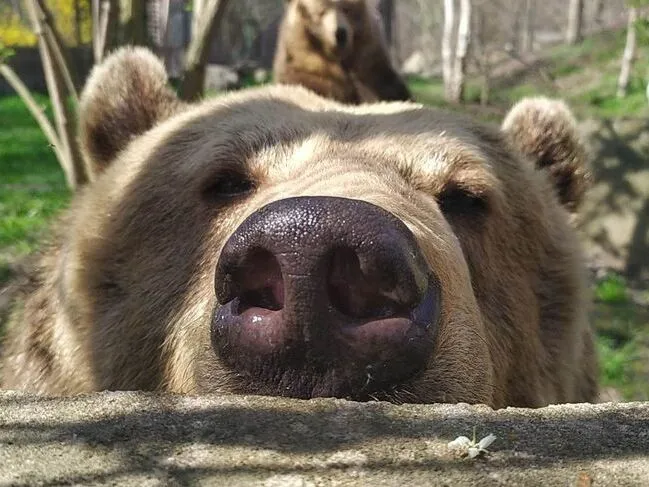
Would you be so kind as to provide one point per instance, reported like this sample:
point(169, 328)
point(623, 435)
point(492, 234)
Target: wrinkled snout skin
point(274, 242)
point(333, 292)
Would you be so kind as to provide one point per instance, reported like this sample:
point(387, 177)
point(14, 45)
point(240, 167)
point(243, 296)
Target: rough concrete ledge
point(146, 439)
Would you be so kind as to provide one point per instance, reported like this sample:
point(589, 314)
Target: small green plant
point(615, 361)
point(612, 289)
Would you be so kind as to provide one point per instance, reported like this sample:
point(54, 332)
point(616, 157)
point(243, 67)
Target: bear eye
point(229, 185)
point(458, 202)
point(351, 12)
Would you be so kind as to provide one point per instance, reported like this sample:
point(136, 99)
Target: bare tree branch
point(76, 171)
point(101, 13)
point(34, 108)
point(55, 46)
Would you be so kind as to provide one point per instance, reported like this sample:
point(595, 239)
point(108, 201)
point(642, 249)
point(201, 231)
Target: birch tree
point(447, 47)
point(527, 26)
point(481, 54)
point(628, 55)
point(103, 16)
point(575, 21)
point(454, 50)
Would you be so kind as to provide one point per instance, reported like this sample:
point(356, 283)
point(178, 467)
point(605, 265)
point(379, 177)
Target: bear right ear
point(125, 95)
point(545, 130)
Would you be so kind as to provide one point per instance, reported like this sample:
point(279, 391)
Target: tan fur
point(545, 131)
point(132, 96)
point(306, 54)
point(123, 298)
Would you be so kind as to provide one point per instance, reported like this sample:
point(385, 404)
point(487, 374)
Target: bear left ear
point(546, 131)
point(125, 95)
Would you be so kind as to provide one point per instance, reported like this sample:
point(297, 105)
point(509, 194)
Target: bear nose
point(341, 36)
point(321, 276)
point(322, 255)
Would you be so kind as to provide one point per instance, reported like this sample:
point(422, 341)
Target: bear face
point(274, 242)
point(337, 49)
point(332, 25)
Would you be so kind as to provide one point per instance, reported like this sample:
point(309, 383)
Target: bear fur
point(309, 54)
point(123, 295)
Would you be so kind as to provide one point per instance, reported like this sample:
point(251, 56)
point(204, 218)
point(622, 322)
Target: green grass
point(32, 186)
point(616, 365)
point(612, 290)
point(584, 75)
point(622, 338)
point(623, 366)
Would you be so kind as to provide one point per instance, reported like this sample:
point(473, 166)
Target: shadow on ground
point(127, 437)
point(615, 217)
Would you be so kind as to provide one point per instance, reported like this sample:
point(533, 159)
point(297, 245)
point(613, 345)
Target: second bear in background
point(337, 49)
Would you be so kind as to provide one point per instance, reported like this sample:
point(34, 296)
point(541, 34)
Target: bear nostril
point(316, 291)
point(341, 36)
point(258, 282)
point(362, 293)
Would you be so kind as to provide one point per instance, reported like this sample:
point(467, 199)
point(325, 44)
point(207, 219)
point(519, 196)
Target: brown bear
point(274, 242)
point(337, 49)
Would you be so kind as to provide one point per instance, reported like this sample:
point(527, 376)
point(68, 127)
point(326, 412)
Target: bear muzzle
point(333, 292)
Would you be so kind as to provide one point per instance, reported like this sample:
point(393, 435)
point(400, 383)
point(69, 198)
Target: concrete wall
point(145, 439)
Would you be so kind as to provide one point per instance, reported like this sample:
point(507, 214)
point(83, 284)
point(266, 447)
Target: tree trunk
point(598, 13)
point(132, 22)
point(629, 54)
point(481, 54)
point(527, 27)
point(386, 8)
point(56, 49)
point(163, 22)
point(428, 14)
point(575, 18)
point(463, 41)
point(105, 14)
point(211, 14)
point(197, 12)
point(447, 48)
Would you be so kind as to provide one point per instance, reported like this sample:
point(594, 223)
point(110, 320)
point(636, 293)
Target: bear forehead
point(256, 123)
point(263, 133)
point(330, 3)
